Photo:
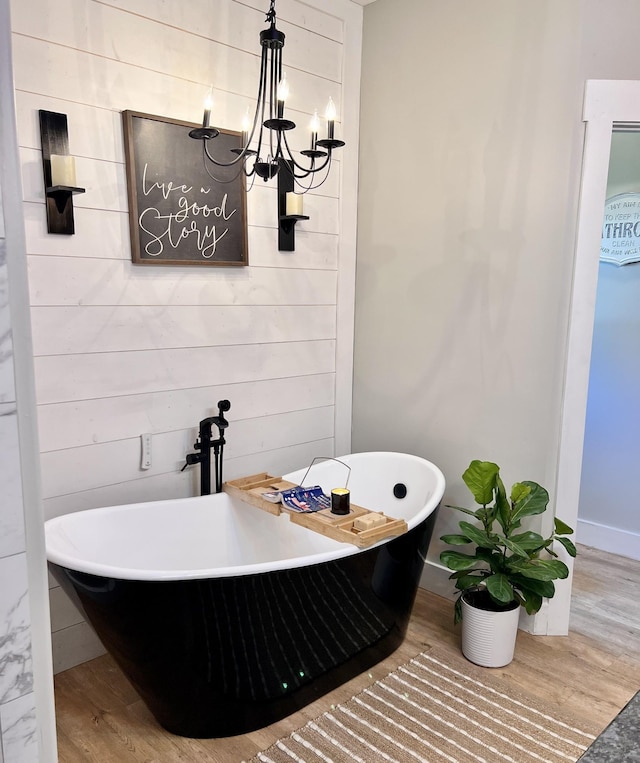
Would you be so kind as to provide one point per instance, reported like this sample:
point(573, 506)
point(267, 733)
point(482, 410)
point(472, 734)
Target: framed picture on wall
point(178, 213)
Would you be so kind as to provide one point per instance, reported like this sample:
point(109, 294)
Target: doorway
point(608, 516)
point(607, 104)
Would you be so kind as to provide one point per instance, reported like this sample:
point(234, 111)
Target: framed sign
point(178, 213)
point(621, 229)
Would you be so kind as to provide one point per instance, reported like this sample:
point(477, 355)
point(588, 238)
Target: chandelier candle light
point(268, 132)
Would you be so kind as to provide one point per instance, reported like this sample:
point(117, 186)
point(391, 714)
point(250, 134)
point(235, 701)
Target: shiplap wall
point(122, 349)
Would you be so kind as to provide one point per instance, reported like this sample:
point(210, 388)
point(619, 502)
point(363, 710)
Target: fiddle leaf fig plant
point(507, 560)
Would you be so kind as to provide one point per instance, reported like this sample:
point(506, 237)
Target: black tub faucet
point(205, 443)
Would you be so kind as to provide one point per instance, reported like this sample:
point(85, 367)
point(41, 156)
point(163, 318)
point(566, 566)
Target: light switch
point(145, 460)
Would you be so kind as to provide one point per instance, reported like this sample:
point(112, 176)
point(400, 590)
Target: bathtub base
point(229, 718)
point(220, 657)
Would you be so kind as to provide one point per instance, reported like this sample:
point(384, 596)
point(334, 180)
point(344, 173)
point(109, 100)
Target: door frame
point(606, 103)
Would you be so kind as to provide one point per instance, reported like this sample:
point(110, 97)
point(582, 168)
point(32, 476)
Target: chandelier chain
point(271, 13)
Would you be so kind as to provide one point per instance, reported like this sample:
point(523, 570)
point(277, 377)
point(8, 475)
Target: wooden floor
point(591, 674)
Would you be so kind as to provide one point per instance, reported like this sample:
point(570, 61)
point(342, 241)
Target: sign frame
point(179, 212)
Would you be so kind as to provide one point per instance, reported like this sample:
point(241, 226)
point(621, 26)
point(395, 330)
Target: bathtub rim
point(337, 549)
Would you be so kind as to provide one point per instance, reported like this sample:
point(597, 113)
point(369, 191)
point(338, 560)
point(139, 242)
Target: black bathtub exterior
point(225, 656)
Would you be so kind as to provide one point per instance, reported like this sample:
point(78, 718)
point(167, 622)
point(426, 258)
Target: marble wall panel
point(16, 676)
point(19, 741)
point(12, 539)
point(7, 386)
point(18, 727)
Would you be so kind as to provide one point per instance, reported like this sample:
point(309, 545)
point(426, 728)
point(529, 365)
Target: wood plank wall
point(121, 350)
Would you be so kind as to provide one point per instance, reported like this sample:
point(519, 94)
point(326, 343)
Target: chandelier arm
point(306, 170)
point(260, 106)
point(259, 99)
point(213, 177)
point(243, 153)
point(311, 186)
point(273, 94)
point(317, 185)
point(219, 163)
point(289, 166)
point(251, 175)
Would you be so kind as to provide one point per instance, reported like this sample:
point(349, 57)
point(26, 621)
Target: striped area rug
point(435, 708)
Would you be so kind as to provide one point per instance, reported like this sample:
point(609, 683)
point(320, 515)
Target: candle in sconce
point(294, 203)
point(63, 170)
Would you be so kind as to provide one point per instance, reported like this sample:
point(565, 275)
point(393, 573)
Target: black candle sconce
point(59, 172)
point(287, 222)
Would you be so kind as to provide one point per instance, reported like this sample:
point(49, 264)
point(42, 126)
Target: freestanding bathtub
point(226, 618)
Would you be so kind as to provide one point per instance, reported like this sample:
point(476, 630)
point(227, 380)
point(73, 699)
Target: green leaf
point(480, 478)
point(503, 507)
point(455, 540)
point(478, 536)
point(539, 569)
point(532, 602)
point(491, 512)
point(514, 548)
point(544, 588)
point(499, 588)
point(519, 492)
point(562, 528)
point(529, 541)
point(470, 580)
point(454, 560)
point(465, 511)
point(457, 611)
point(492, 558)
point(571, 549)
point(535, 502)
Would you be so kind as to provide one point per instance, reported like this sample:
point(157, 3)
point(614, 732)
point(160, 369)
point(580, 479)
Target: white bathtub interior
point(219, 536)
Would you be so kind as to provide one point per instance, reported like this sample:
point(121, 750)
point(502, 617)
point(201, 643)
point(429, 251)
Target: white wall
point(609, 512)
point(466, 241)
point(121, 350)
point(464, 246)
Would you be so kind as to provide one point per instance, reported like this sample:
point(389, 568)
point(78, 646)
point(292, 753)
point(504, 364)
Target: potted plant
point(510, 567)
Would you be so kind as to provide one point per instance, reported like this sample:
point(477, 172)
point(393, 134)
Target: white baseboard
point(435, 578)
point(610, 539)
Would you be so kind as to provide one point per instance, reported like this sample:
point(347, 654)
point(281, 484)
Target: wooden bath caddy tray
point(336, 526)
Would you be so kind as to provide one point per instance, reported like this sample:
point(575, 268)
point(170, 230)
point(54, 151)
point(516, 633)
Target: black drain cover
point(400, 490)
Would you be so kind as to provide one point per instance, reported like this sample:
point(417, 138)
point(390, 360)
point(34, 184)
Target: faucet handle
point(192, 458)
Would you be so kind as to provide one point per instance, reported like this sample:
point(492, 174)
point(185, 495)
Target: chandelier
point(272, 155)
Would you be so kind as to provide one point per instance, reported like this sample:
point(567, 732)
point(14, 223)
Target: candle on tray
point(340, 500)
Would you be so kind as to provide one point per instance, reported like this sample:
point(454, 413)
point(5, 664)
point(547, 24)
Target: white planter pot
point(489, 638)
